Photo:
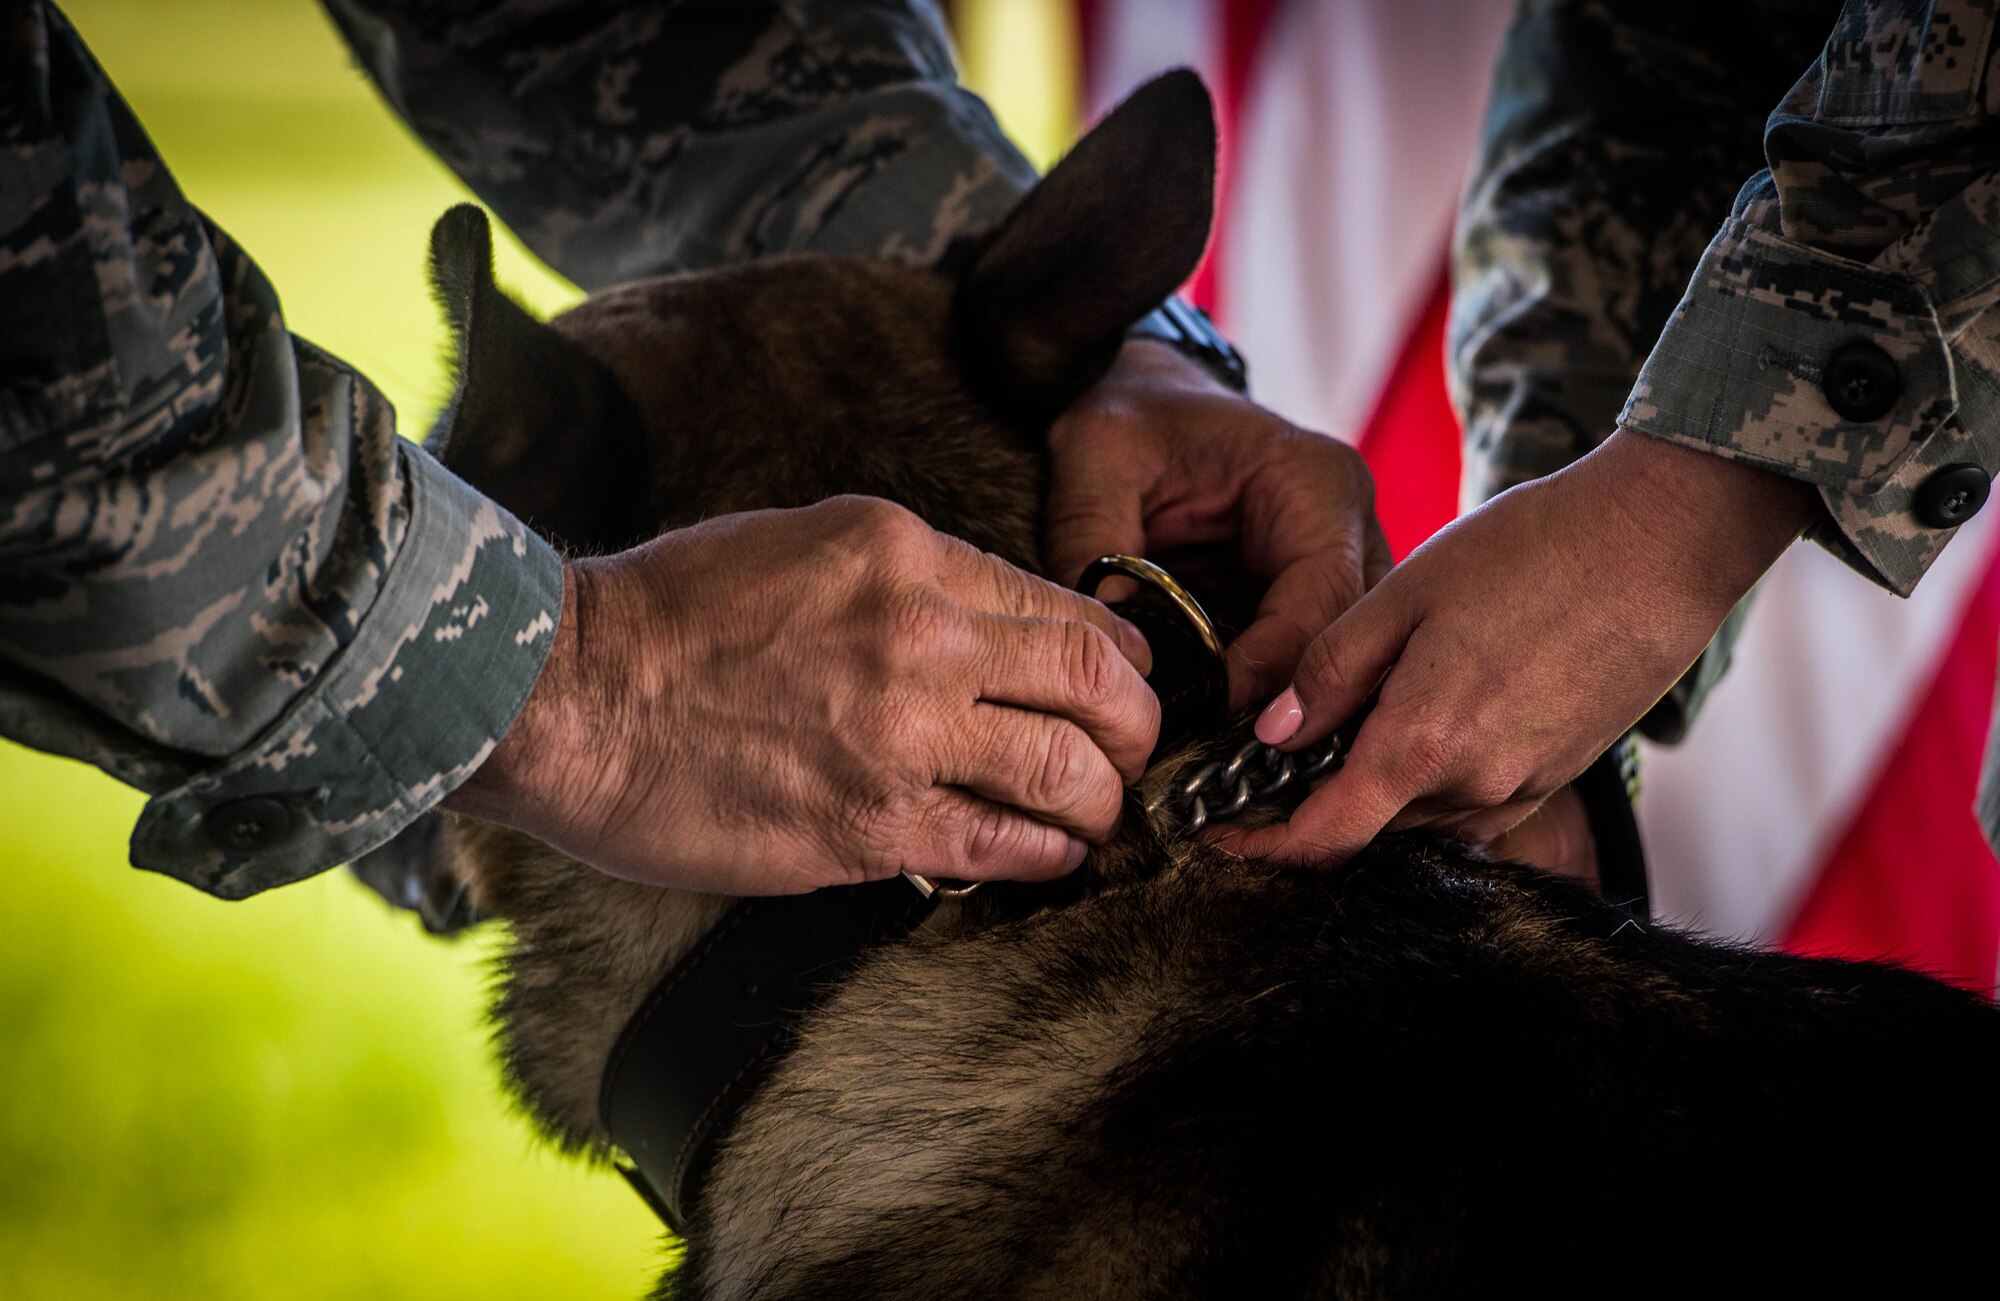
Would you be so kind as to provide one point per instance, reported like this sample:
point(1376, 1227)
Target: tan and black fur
point(1175, 1073)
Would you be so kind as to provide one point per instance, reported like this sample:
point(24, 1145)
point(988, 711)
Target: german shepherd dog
point(1177, 1072)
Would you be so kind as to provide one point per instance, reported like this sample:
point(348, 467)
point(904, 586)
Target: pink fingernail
point(1281, 719)
point(1077, 850)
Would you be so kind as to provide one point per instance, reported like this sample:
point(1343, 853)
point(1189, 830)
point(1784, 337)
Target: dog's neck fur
point(802, 425)
point(1119, 1083)
point(779, 384)
point(587, 947)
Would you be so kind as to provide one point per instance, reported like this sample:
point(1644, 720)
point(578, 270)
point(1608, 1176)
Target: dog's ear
point(536, 423)
point(1102, 240)
point(419, 870)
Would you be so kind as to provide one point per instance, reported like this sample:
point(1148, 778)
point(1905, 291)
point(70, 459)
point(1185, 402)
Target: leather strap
point(1187, 328)
point(710, 1030)
point(1609, 788)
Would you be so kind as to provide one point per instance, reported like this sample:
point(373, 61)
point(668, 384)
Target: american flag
point(1823, 801)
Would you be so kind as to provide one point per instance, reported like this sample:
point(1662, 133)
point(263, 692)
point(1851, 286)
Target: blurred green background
point(293, 1097)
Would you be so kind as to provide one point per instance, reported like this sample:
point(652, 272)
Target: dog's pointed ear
point(419, 870)
point(1102, 240)
point(535, 422)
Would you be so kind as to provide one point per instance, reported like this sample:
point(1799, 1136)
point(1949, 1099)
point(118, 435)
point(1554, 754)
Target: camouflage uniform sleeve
point(1616, 134)
point(1840, 328)
point(623, 140)
point(223, 578)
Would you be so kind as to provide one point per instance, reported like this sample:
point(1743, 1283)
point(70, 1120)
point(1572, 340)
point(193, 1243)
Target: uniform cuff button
point(1952, 496)
point(248, 825)
point(1861, 382)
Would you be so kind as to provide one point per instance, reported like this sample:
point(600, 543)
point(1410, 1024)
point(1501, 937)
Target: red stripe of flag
point(1411, 440)
point(1912, 879)
point(1243, 26)
point(1245, 23)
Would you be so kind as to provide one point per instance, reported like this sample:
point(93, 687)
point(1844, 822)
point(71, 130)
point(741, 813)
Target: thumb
point(1096, 507)
point(1339, 670)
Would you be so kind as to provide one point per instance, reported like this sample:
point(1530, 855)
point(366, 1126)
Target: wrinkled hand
point(1513, 647)
point(1161, 455)
point(780, 700)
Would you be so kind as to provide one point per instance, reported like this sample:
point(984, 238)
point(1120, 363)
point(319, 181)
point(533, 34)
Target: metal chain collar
point(1221, 789)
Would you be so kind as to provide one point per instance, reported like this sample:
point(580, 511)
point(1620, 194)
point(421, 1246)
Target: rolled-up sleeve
point(621, 141)
point(223, 577)
point(1840, 328)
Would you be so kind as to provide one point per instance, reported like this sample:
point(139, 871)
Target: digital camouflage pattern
point(1606, 276)
point(622, 140)
point(223, 578)
point(1616, 135)
point(1876, 219)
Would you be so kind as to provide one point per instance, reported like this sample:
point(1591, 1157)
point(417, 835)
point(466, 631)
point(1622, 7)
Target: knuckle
point(885, 526)
point(1428, 753)
point(1346, 460)
point(989, 833)
point(1349, 458)
point(877, 820)
point(1062, 770)
point(1488, 788)
point(1094, 665)
point(903, 532)
point(849, 511)
point(1321, 672)
point(1340, 584)
point(1105, 416)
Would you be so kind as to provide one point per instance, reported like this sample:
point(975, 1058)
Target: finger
point(1310, 532)
point(1556, 837)
point(1339, 669)
point(1474, 826)
point(1039, 765)
point(1302, 602)
point(989, 584)
point(1376, 558)
point(974, 839)
point(1096, 505)
point(1347, 811)
point(1313, 496)
point(1071, 670)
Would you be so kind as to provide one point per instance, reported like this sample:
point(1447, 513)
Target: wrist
point(1141, 358)
point(1187, 329)
point(515, 779)
point(1720, 523)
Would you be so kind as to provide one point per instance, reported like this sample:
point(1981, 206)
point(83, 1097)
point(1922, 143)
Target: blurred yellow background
point(292, 1097)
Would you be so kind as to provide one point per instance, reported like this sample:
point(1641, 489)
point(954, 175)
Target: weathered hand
point(1160, 455)
point(1513, 647)
point(780, 700)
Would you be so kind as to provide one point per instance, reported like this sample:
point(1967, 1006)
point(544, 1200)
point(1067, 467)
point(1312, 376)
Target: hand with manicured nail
point(1161, 455)
point(1515, 646)
point(780, 700)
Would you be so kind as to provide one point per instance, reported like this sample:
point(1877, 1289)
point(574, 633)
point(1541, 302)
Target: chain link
point(1221, 789)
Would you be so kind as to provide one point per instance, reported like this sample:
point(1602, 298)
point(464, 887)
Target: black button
point(248, 825)
point(1862, 382)
point(1952, 496)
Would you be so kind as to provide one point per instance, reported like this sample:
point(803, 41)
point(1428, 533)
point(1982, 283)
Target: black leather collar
point(709, 1032)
